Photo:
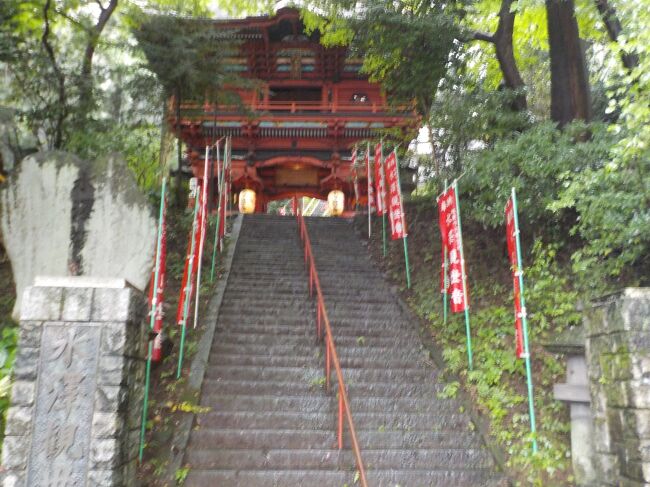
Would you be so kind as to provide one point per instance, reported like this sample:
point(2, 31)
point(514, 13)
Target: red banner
point(442, 215)
point(452, 240)
point(353, 162)
point(371, 190)
point(395, 211)
point(189, 274)
point(511, 237)
point(162, 271)
point(380, 181)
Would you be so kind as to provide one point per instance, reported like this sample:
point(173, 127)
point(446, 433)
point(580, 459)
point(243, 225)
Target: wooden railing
point(331, 357)
point(297, 107)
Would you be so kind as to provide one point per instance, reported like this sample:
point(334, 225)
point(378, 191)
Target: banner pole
point(202, 229)
point(444, 276)
point(216, 232)
point(368, 179)
point(188, 288)
point(227, 152)
point(464, 278)
point(444, 292)
point(383, 231)
point(147, 380)
point(383, 216)
point(524, 322)
point(406, 260)
point(401, 197)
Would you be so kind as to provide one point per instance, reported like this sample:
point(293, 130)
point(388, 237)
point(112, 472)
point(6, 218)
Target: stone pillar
point(618, 361)
point(575, 392)
point(78, 378)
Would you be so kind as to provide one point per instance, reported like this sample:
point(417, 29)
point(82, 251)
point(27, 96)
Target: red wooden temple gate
point(295, 134)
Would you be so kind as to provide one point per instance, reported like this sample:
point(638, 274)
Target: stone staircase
point(270, 421)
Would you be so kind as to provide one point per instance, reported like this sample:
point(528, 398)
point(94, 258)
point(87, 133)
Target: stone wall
point(60, 215)
point(78, 383)
point(618, 360)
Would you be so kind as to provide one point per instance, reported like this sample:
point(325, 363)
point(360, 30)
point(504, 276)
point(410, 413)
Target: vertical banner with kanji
point(395, 211)
point(521, 320)
point(452, 241)
point(395, 208)
point(157, 288)
point(353, 163)
point(187, 283)
point(203, 223)
point(379, 181)
point(371, 191)
point(512, 255)
point(156, 316)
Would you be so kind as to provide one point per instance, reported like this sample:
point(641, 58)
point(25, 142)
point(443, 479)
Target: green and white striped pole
point(220, 177)
point(383, 216)
point(147, 380)
point(188, 288)
point(445, 283)
point(524, 322)
point(464, 279)
point(444, 275)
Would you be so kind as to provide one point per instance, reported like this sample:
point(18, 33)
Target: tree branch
point(614, 28)
point(61, 91)
point(74, 21)
point(85, 75)
point(482, 36)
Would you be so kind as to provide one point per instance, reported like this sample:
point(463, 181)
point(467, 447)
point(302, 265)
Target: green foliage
point(466, 116)
point(181, 474)
point(537, 163)
point(498, 379)
point(406, 49)
point(404, 45)
point(8, 342)
point(186, 55)
point(139, 144)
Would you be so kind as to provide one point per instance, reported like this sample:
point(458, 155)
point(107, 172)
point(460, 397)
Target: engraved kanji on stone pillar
point(77, 381)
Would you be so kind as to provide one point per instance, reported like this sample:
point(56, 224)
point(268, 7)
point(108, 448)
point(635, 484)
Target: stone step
point(339, 332)
point(339, 478)
point(322, 402)
point(355, 350)
point(284, 388)
point(316, 373)
point(326, 420)
point(233, 337)
point(347, 362)
point(213, 452)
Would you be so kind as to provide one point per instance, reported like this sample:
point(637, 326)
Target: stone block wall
point(618, 360)
point(78, 383)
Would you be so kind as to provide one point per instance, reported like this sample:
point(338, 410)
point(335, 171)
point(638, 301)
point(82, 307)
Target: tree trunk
point(502, 40)
point(506, 55)
point(85, 74)
point(570, 94)
point(613, 26)
point(62, 97)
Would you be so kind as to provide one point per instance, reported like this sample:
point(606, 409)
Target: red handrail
point(331, 357)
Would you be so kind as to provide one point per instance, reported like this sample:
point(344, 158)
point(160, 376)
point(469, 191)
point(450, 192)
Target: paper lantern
point(247, 201)
point(335, 202)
